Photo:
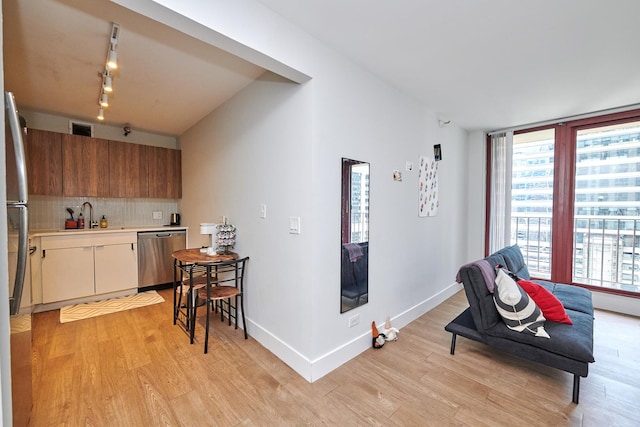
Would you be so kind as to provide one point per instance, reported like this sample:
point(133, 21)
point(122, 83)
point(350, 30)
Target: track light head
point(107, 84)
point(104, 100)
point(112, 59)
point(100, 114)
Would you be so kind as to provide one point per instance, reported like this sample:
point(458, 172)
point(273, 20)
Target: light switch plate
point(354, 320)
point(157, 214)
point(294, 225)
point(263, 211)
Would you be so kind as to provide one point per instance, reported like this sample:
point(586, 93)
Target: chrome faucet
point(92, 224)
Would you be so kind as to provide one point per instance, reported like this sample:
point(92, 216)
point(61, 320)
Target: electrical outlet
point(354, 320)
point(157, 214)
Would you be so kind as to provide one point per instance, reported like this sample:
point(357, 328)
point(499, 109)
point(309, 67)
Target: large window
point(573, 201)
point(532, 197)
point(606, 248)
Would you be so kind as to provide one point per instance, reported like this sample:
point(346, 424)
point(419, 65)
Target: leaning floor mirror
point(354, 250)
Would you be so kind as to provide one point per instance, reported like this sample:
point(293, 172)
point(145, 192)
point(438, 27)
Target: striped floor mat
point(92, 309)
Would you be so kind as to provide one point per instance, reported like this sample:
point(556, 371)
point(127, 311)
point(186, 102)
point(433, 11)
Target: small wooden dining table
point(192, 268)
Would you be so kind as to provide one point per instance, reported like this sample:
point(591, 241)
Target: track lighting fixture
point(111, 64)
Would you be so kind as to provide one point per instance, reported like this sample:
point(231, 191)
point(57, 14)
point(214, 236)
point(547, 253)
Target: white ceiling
point(55, 50)
point(488, 64)
point(484, 64)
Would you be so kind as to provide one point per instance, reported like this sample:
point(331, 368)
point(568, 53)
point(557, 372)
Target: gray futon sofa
point(569, 348)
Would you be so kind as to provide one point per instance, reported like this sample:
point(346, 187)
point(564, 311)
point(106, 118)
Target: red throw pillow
point(552, 308)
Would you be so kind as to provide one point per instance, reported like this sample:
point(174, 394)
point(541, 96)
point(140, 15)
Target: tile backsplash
point(49, 213)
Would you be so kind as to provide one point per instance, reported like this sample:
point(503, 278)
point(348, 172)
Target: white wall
point(255, 149)
point(60, 124)
point(281, 144)
point(412, 259)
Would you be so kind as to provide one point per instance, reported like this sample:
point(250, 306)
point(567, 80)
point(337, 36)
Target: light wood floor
point(136, 369)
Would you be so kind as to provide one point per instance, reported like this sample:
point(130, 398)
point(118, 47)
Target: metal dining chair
point(224, 292)
point(184, 292)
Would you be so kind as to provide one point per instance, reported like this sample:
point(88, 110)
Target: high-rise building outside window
point(359, 203)
point(532, 197)
point(607, 207)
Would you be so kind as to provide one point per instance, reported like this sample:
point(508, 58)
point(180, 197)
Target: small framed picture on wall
point(437, 152)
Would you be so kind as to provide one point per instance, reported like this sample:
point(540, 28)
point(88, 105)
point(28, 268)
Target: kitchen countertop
point(39, 233)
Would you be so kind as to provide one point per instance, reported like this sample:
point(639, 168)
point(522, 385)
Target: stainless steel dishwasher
point(155, 264)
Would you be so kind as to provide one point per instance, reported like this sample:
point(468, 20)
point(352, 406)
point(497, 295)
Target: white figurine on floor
point(391, 333)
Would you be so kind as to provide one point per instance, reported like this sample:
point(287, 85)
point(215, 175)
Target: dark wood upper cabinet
point(128, 170)
point(175, 158)
point(85, 166)
point(80, 166)
point(165, 173)
point(44, 162)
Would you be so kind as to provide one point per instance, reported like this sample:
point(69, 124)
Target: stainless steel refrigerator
point(20, 309)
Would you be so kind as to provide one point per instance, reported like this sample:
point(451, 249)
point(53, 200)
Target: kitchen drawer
point(82, 240)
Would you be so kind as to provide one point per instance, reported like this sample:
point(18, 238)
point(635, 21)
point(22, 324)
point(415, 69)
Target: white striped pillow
point(519, 312)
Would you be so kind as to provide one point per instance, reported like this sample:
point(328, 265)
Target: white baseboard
point(315, 369)
point(617, 303)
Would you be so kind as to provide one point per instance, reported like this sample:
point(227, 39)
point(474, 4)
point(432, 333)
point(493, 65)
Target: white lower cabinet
point(116, 267)
point(67, 273)
point(83, 265)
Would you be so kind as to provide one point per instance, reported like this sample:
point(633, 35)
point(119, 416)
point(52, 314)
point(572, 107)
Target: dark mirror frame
point(354, 245)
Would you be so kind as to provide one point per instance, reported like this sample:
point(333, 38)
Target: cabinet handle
point(44, 253)
point(132, 247)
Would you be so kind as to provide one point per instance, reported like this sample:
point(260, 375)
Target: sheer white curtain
point(500, 209)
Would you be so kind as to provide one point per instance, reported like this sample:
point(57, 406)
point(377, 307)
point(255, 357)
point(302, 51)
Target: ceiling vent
point(79, 128)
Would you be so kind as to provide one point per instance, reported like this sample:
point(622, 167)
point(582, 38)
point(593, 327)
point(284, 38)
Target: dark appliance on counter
point(175, 219)
point(16, 389)
point(155, 263)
